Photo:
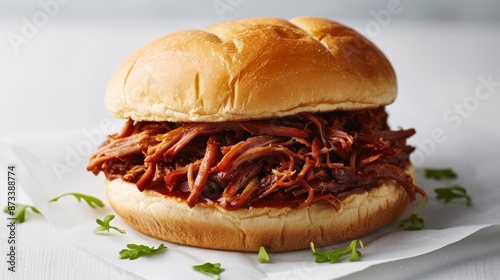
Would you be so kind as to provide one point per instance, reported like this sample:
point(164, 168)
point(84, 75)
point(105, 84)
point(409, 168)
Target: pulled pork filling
point(284, 162)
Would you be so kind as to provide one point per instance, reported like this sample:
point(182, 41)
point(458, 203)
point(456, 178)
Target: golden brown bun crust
point(251, 69)
point(282, 229)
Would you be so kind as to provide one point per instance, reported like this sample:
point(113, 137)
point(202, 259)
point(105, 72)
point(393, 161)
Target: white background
point(53, 82)
point(67, 59)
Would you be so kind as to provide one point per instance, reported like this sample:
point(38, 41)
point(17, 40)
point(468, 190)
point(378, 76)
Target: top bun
point(251, 69)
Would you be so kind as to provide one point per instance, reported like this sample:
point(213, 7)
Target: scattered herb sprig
point(135, 251)
point(447, 194)
point(334, 255)
point(93, 202)
point(438, 174)
point(19, 211)
point(263, 257)
point(211, 269)
point(414, 221)
point(105, 226)
point(450, 193)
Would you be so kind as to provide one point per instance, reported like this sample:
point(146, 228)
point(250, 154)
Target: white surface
point(54, 87)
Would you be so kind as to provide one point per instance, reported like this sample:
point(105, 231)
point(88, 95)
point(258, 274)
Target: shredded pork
point(292, 161)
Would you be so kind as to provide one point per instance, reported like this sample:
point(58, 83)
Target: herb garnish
point(414, 221)
point(211, 269)
point(104, 225)
point(453, 192)
point(19, 211)
point(91, 201)
point(438, 174)
point(334, 255)
point(263, 257)
point(135, 251)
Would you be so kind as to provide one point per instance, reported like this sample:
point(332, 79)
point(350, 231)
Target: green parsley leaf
point(334, 255)
point(438, 174)
point(414, 221)
point(135, 251)
point(104, 225)
point(263, 257)
point(453, 192)
point(91, 201)
point(19, 213)
point(211, 269)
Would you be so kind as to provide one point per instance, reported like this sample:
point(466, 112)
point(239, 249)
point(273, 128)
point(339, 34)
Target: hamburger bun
point(246, 229)
point(251, 69)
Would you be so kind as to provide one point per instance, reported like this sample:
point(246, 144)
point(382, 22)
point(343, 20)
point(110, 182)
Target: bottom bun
point(280, 229)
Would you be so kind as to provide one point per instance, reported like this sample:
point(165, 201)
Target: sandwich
point(256, 132)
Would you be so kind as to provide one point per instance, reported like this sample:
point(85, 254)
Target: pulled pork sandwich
point(256, 132)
